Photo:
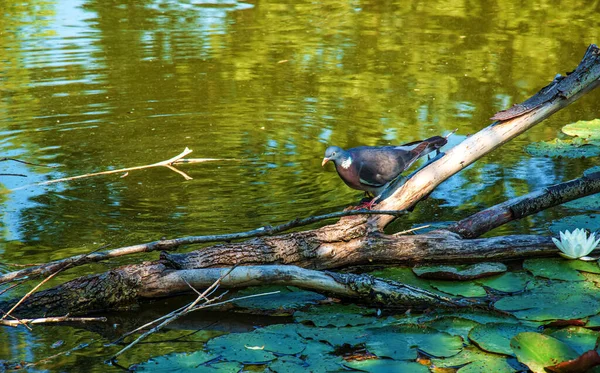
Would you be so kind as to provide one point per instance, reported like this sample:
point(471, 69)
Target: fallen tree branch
point(167, 163)
point(173, 244)
point(520, 207)
point(47, 320)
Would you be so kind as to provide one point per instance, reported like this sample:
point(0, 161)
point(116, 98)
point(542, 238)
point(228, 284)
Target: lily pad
point(495, 337)
point(558, 268)
point(464, 289)
point(586, 129)
point(538, 351)
point(454, 326)
point(591, 170)
point(351, 336)
point(387, 366)
point(474, 360)
point(459, 272)
point(590, 222)
point(316, 358)
point(256, 347)
point(554, 301)
point(177, 362)
point(336, 315)
point(406, 276)
point(593, 322)
point(289, 297)
point(578, 338)
point(589, 203)
point(575, 148)
point(401, 342)
point(510, 282)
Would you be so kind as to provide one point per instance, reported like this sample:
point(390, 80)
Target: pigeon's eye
point(333, 154)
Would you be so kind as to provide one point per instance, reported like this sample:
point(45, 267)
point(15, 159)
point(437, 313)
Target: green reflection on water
point(94, 85)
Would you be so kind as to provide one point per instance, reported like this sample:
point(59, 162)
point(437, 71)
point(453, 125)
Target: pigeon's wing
point(377, 166)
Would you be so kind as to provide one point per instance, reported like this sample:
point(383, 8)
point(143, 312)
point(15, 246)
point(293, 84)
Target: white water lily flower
point(576, 244)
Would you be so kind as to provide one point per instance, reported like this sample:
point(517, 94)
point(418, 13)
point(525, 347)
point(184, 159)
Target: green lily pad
point(474, 360)
point(387, 366)
point(586, 129)
point(464, 289)
point(555, 268)
point(538, 351)
point(590, 222)
point(510, 282)
point(495, 337)
point(336, 315)
point(401, 342)
point(593, 322)
point(575, 148)
point(406, 276)
point(177, 362)
point(257, 347)
point(316, 359)
point(351, 336)
point(289, 297)
point(554, 301)
point(578, 338)
point(453, 326)
point(480, 317)
point(459, 272)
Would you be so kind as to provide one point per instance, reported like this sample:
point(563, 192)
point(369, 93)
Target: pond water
point(263, 87)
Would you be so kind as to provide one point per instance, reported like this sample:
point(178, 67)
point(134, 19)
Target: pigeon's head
point(334, 154)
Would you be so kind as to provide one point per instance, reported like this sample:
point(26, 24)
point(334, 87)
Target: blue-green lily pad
point(510, 282)
point(401, 342)
point(591, 170)
point(387, 366)
point(495, 337)
point(586, 129)
point(589, 203)
point(289, 297)
point(454, 326)
point(474, 360)
point(578, 338)
point(351, 336)
point(538, 351)
point(460, 271)
point(575, 148)
point(184, 362)
point(406, 276)
point(257, 347)
point(554, 301)
point(590, 222)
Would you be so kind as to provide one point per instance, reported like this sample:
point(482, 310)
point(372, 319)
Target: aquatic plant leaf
point(454, 326)
point(313, 359)
point(288, 298)
point(180, 362)
point(589, 203)
point(255, 347)
point(586, 129)
point(406, 276)
point(387, 366)
point(590, 222)
point(474, 360)
point(555, 268)
point(538, 351)
point(459, 272)
point(464, 289)
point(508, 282)
point(337, 315)
point(495, 337)
point(402, 341)
point(575, 148)
point(335, 336)
point(554, 301)
point(578, 338)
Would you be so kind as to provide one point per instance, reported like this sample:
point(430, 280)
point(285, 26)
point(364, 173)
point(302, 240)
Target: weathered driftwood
point(127, 285)
point(350, 241)
point(520, 207)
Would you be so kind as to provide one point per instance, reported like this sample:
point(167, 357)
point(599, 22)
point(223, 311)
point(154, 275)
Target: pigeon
point(372, 168)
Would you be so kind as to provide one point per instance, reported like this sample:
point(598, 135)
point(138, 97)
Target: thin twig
point(24, 162)
point(412, 230)
point(172, 244)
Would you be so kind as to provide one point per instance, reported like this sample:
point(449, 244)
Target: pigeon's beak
point(325, 160)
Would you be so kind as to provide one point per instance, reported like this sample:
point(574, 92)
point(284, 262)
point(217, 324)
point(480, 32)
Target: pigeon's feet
point(367, 204)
